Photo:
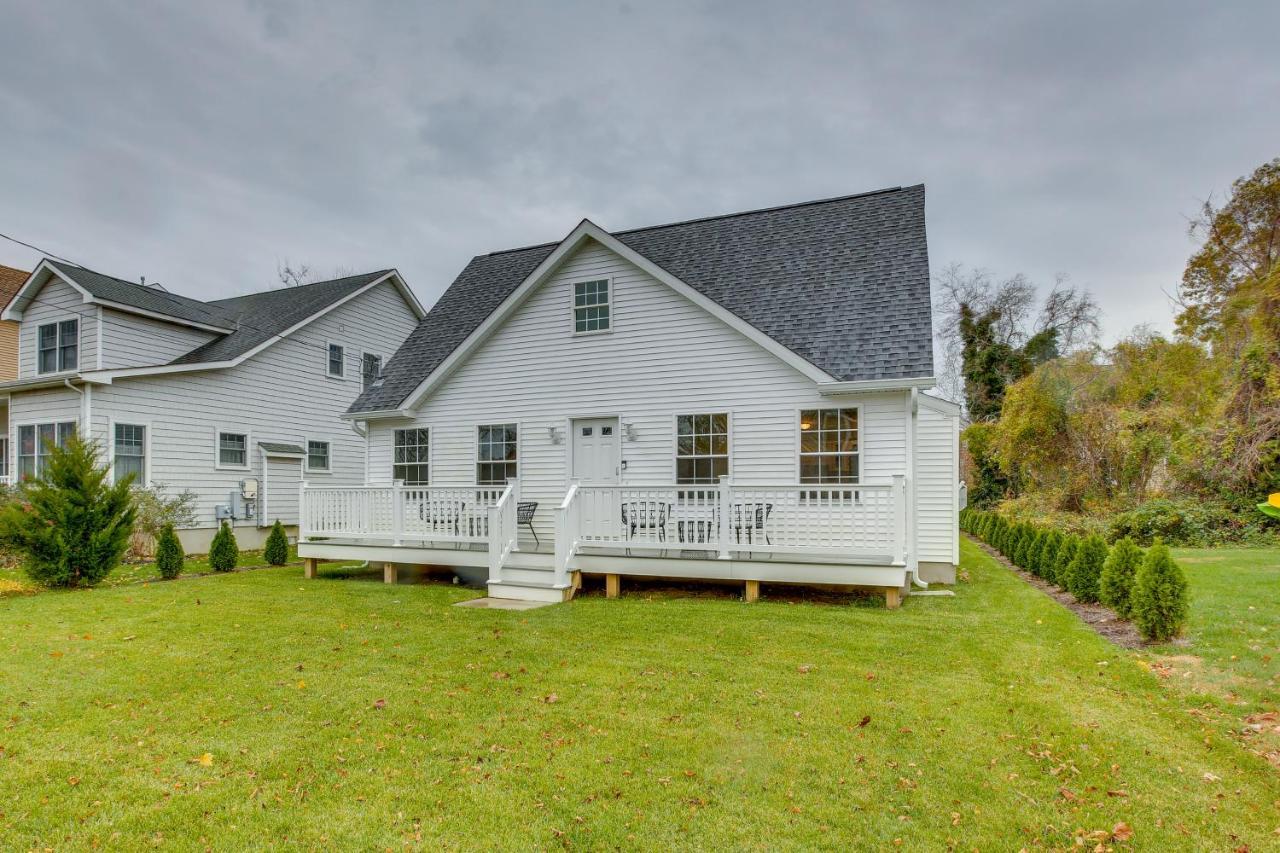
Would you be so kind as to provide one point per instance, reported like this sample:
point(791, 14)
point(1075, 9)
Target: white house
point(234, 399)
point(735, 398)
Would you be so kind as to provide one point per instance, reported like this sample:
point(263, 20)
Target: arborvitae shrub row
point(1151, 589)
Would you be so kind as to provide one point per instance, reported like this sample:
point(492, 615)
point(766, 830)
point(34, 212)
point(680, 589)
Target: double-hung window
point(336, 360)
point(496, 450)
point(34, 441)
point(58, 346)
point(317, 456)
point(370, 369)
point(591, 306)
point(702, 448)
point(233, 450)
point(130, 452)
point(829, 446)
point(412, 456)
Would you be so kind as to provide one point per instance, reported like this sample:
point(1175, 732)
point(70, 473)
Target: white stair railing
point(568, 532)
point(503, 531)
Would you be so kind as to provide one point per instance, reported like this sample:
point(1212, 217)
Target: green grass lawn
point(229, 710)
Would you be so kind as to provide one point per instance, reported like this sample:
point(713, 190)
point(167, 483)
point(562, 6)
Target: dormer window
point(58, 346)
point(591, 306)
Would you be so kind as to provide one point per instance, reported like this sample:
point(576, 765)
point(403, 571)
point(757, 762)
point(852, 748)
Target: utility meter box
point(249, 489)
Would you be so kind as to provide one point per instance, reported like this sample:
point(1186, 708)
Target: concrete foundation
point(249, 537)
point(938, 572)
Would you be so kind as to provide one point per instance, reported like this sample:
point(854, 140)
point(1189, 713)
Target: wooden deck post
point(612, 586)
point(390, 573)
point(892, 597)
point(309, 567)
point(752, 592)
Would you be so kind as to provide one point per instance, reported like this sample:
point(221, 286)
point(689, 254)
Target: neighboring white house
point(736, 398)
point(234, 399)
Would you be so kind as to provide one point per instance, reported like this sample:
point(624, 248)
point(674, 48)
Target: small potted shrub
point(276, 552)
point(169, 556)
point(224, 553)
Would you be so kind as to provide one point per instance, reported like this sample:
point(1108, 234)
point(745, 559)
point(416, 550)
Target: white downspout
point(361, 428)
point(913, 419)
point(86, 408)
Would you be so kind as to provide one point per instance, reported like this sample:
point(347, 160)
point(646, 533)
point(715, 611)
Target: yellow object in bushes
point(1272, 506)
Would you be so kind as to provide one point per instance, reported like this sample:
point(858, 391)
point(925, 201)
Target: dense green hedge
point(1150, 588)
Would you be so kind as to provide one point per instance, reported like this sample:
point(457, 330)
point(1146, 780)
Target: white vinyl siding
point(132, 341)
point(282, 476)
point(937, 475)
point(56, 302)
point(664, 357)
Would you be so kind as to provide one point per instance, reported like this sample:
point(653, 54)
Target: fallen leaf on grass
point(73, 780)
point(1068, 795)
point(1122, 831)
point(551, 698)
point(302, 685)
point(379, 704)
point(864, 721)
point(805, 668)
point(205, 760)
point(1211, 777)
point(55, 654)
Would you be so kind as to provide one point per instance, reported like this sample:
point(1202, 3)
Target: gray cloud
point(199, 145)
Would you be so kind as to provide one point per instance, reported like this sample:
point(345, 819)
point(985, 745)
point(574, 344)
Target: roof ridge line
point(301, 286)
point(716, 217)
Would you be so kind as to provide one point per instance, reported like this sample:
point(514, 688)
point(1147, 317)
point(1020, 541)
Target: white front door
point(595, 463)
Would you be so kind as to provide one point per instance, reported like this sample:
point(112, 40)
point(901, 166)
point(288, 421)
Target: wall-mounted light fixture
point(629, 429)
point(556, 436)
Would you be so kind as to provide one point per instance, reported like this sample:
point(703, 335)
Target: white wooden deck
point(852, 535)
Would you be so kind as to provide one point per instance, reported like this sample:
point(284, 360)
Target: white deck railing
point(857, 521)
point(399, 512)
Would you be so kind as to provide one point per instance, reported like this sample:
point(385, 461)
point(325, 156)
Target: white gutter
point(86, 407)
point(869, 385)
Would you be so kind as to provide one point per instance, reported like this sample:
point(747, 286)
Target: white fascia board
point(585, 230)
point(938, 404)
point(828, 389)
point(379, 415)
point(43, 271)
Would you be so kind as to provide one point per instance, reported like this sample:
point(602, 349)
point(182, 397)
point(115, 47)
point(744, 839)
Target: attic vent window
point(591, 306)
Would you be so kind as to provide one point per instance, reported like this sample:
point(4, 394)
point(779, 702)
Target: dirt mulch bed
point(1101, 619)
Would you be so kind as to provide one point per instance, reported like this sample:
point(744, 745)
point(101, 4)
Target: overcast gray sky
point(202, 144)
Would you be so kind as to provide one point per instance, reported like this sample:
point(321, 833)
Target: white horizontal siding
point(280, 502)
point(665, 356)
point(281, 394)
point(936, 477)
point(55, 302)
point(132, 341)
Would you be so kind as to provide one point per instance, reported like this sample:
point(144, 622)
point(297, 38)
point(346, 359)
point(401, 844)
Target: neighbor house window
point(233, 449)
point(4, 457)
point(335, 360)
point(829, 446)
point(58, 346)
point(317, 456)
point(370, 368)
point(130, 456)
point(591, 306)
point(34, 441)
point(496, 454)
point(412, 456)
point(702, 448)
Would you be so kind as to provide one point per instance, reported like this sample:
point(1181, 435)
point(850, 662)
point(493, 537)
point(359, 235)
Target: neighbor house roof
point(10, 282)
point(259, 317)
point(150, 299)
point(842, 282)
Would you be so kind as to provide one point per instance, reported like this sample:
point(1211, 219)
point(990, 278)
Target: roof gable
point(841, 283)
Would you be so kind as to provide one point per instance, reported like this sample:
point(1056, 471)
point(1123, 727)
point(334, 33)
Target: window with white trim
point(233, 449)
point(829, 446)
point(496, 450)
point(336, 361)
point(317, 456)
point(370, 369)
point(4, 456)
point(34, 443)
point(702, 448)
point(591, 306)
point(412, 460)
point(129, 453)
point(58, 346)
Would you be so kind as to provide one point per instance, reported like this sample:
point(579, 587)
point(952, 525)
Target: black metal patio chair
point(524, 515)
point(751, 517)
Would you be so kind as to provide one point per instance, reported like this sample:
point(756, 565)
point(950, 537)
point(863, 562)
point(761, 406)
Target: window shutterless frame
point(816, 430)
point(335, 360)
point(32, 444)
point(58, 346)
point(233, 448)
point(133, 437)
point(411, 455)
point(319, 456)
point(698, 441)
point(497, 456)
point(592, 304)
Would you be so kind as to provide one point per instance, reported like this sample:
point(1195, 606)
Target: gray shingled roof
point(279, 447)
point(145, 298)
point(253, 319)
point(843, 283)
point(261, 316)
